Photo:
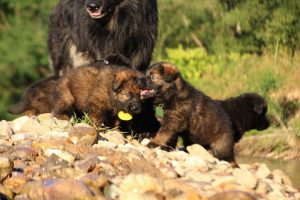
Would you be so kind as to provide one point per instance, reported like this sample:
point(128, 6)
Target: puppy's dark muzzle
point(135, 107)
point(264, 125)
point(142, 83)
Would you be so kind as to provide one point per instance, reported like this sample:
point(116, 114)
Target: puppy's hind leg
point(223, 148)
point(96, 113)
point(62, 103)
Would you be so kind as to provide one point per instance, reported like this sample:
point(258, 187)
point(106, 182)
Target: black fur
point(247, 111)
point(129, 27)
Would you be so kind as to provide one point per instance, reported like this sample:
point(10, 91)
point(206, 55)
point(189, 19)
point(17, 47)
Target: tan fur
point(101, 92)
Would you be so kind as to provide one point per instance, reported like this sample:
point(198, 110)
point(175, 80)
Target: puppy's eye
point(153, 77)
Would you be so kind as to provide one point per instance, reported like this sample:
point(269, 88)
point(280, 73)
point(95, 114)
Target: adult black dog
point(82, 31)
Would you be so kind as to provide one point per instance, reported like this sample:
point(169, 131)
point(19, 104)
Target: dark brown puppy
point(37, 99)
point(187, 110)
point(247, 111)
point(101, 92)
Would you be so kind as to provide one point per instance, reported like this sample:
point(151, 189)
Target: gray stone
point(263, 171)
point(83, 134)
point(19, 122)
point(57, 190)
point(87, 164)
point(5, 142)
point(281, 177)
point(19, 164)
point(276, 195)
point(54, 162)
point(111, 192)
point(199, 151)
point(6, 167)
point(168, 172)
point(60, 153)
point(21, 137)
point(29, 125)
point(199, 176)
point(45, 118)
point(95, 181)
point(15, 181)
point(177, 155)
point(33, 190)
point(138, 196)
point(5, 148)
point(5, 193)
point(195, 163)
point(145, 141)
point(54, 134)
point(63, 125)
point(72, 189)
point(25, 153)
point(5, 130)
point(114, 137)
point(48, 120)
point(224, 180)
point(263, 188)
point(140, 183)
point(245, 178)
point(104, 144)
point(234, 194)
point(44, 145)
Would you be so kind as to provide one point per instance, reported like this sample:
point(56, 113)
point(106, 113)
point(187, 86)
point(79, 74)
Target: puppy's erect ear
point(170, 72)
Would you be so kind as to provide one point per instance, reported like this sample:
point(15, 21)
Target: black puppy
point(83, 31)
point(247, 111)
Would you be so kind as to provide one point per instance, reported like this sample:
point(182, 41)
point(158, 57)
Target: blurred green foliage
point(244, 26)
point(195, 63)
point(23, 50)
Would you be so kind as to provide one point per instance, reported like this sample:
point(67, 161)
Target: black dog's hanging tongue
point(124, 116)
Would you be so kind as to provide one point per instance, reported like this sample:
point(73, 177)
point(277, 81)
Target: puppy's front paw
point(163, 147)
point(153, 145)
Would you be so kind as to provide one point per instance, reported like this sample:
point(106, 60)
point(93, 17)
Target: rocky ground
point(46, 158)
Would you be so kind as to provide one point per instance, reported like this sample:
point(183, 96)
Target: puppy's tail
point(18, 108)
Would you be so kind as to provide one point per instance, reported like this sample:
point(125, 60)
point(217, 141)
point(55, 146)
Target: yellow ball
point(124, 116)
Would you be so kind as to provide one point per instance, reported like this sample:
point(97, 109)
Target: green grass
point(280, 146)
point(75, 119)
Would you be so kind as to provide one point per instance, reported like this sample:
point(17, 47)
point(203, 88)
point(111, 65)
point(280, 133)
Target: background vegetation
point(224, 47)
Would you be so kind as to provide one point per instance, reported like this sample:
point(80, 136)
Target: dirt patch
point(281, 145)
